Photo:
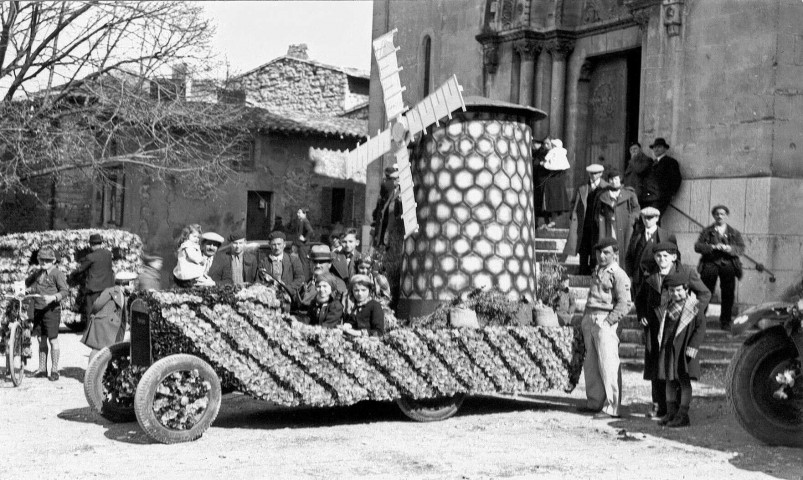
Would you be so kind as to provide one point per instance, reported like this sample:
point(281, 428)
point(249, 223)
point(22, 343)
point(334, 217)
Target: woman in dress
point(552, 177)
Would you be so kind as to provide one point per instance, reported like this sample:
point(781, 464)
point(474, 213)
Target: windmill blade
point(407, 194)
point(441, 103)
point(385, 55)
point(369, 151)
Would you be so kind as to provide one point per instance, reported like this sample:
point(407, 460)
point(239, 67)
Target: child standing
point(51, 285)
point(681, 332)
point(366, 313)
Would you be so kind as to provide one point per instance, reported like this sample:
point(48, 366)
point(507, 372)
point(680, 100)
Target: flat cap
point(675, 279)
point(606, 242)
point(665, 247)
point(277, 234)
point(125, 276)
point(650, 212)
point(595, 168)
point(211, 237)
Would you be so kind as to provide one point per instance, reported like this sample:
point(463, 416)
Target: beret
point(236, 235)
point(675, 279)
point(606, 242)
point(720, 207)
point(277, 234)
point(650, 211)
point(595, 168)
point(212, 237)
point(665, 247)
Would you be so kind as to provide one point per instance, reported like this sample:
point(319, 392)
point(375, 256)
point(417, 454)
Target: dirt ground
point(48, 432)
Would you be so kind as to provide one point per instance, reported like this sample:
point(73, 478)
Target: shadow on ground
point(127, 432)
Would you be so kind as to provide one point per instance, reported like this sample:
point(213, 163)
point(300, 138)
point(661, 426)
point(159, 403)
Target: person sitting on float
point(325, 310)
point(380, 289)
point(365, 313)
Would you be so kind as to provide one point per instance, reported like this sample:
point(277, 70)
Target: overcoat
point(638, 258)
point(638, 168)
point(664, 178)
point(649, 299)
point(108, 320)
point(580, 209)
point(96, 268)
point(616, 217)
point(690, 332)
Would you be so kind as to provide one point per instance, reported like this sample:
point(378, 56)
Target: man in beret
point(664, 178)
point(648, 299)
point(583, 228)
point(282, 266)
point(608, 301)
point(639, 258)
point(235, 266)
point(96, 271)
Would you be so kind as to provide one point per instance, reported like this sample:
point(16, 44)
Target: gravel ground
point(48, 432)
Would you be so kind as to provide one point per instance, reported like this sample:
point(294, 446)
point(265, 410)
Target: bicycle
point(15, 335)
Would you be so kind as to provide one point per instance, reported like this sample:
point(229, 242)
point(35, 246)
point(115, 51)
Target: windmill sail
point(385, 55)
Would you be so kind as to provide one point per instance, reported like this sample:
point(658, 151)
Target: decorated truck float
point(188, 347)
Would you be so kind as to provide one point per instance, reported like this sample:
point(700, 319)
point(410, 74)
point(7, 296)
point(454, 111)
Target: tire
point(431, 409)
point(98, 382)
point(151, 397)
point(15, 363)
point(750, 385)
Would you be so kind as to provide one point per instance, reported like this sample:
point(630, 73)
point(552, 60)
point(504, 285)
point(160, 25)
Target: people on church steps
point(616, 212)
point(583, 227)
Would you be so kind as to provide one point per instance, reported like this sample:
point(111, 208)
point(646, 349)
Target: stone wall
point(293, 85)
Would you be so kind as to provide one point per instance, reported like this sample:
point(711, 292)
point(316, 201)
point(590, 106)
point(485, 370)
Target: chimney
point(298, 51)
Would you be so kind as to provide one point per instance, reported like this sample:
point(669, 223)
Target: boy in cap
point(646, 233)
point(608, 301)
point(96, 269)
point(583, 228)
point(51, 285)
point(648, 300)
point(681, 332)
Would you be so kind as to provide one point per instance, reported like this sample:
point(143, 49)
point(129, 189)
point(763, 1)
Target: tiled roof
point(298, 123)
point(352, 72)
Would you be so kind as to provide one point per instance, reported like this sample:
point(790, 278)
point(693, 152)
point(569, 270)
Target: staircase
point(717, 349)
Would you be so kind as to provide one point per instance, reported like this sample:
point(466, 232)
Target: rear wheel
point(431, 409)
point(110, 383)
point(752, 385)
point(15, 363)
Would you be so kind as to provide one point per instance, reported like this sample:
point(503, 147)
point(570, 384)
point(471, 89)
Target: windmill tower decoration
point(473, 192)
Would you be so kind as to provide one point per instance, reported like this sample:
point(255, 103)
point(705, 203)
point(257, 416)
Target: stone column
point(559, 48)
point(528, 51)
point(543, 89)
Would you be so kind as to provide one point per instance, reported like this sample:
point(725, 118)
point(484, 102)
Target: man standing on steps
point(648, 301)
point(608, 301)
point(583, 230)
point(664, 178)
point(646, 234)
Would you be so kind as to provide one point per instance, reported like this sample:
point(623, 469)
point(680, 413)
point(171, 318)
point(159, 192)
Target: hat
point(95, 239)
point(277, 234)
point(320, 253)
point(236, 235)
point(675, 279)
point(211, 237)
point(613, 172)
point(46, 253)
point(392, 171)
point(606, 242)
point(636, 144)
point(664, 247)
point(124, 277)
point(720, 207)
point(595, 168)
point(650, 212)
point(660, 141)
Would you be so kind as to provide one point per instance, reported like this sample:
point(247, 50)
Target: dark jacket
point(638, 259)
point(369, 317)
point(650, 297)
point(340, 265)
point(328, 315)
point(616, 218)
point(303, 227)
point(709, 237)
point(665, 179)
point(690, 332)
point(220, 271)
point(582, 206)
point(636, 173)
point(96, 268)
point(292, 271)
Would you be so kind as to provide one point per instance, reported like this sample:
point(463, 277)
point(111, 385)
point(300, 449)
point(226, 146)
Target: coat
point(709, 237)
point(220, 270)
point(581, 207)
point(328, 315)
point(662, 183)
point(340, 264)
point(303, 227)
point(638, 259)
point(616, 218)
point(649, 298)
point(108, 320)
point(690, 332)
point(638, 168)
point(292, 272)
point(96, 268)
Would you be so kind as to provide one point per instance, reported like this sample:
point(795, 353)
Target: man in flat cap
point(96, 271)
point(284, 267)
point(664, 178)
point(638, 257)
point(583, 228)
point(210, 243)
point(608, 301)
point(235, 266)
point(648, 299)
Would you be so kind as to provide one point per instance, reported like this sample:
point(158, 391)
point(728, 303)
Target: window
point(338, 204)
point(113, 198)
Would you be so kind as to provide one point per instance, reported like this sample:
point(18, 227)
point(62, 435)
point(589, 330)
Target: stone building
point(295, 83)
point(721, 80)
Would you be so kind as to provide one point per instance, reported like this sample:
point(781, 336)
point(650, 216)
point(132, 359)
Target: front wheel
point(431, 409)
point(110, 383)
point(15, 363)
point(177, 399)
point(752, 388)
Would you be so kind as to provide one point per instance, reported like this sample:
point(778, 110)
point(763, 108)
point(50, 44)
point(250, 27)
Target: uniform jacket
point(650, 296)
point(610, 292)
point(665, 179)
point(220, 270)
point(340, 264)
point(690, 332)
point(580, 209)
point(639, 259)
point(96, 268)
point(615, 218)
point(292, 271)
point(328, 315)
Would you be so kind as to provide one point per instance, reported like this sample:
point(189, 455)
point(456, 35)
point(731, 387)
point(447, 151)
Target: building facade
point(720, 80)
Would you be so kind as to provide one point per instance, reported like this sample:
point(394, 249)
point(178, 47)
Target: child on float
point(325, 310)
point(681, 332)
point(380, 289)
point(50, 284)
point(365, 313)
point(190, 260)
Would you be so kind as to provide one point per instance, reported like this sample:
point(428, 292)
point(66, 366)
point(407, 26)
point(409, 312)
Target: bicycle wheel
point(15, 366)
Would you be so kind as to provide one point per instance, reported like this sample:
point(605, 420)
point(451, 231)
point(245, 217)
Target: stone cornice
point(528, 48)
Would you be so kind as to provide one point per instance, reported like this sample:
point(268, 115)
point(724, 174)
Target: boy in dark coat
point(681, 332)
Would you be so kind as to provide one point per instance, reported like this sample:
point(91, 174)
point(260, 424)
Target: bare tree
point(79, 92)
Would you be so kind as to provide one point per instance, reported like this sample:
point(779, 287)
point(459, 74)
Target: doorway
point(259, 215)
